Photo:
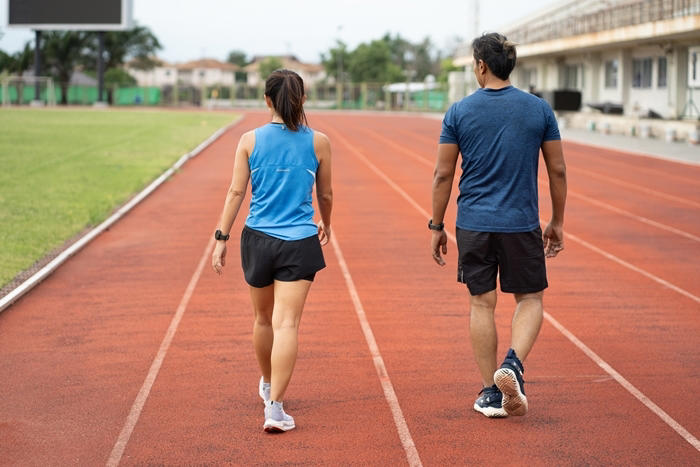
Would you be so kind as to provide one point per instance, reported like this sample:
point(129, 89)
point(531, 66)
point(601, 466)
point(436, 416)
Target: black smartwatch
point(219, 236)
point(438, 227)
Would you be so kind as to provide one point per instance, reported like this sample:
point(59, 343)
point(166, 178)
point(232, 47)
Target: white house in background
point(207, 72)
point(163, 74)
point(204, 72)
point(311, 73)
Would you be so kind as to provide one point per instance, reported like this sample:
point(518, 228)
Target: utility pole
point(476, 14)
point(37, 68)
point(100, 67)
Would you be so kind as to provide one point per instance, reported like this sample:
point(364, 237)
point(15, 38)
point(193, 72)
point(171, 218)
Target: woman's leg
point(288, 304)
point(263, 300)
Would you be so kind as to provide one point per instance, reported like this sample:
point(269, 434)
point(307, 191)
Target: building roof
point(208, 63)
point(288, 61)
point(157, 61)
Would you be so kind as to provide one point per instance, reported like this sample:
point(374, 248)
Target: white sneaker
point(264, 390)
point(275, 418)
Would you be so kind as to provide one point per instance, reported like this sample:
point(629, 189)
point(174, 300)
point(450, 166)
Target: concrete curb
point(44, 272)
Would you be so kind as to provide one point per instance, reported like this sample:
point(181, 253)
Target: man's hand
point(324, 232)
point(437, 243)
point(553, 238)
point(218, 258)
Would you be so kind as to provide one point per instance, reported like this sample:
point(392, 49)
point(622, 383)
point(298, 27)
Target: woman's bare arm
point(324, 190)
point(234, 196)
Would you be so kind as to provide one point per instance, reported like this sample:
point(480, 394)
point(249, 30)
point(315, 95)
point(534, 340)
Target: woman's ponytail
point(286, 90)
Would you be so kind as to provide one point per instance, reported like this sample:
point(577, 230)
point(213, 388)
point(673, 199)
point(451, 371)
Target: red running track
point(610, 380)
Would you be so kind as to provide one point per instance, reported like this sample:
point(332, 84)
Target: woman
point(280, 244)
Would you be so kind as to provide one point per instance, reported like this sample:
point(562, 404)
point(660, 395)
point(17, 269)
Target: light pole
point(341, 52)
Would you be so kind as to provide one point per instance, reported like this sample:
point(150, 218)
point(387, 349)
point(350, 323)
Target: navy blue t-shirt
point(499, 133)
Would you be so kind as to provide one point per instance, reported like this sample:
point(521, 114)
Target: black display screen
point(40, 12)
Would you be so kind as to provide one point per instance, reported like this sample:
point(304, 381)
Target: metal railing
point(613, 17)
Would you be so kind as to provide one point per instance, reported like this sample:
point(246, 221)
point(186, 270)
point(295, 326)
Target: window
point(611, 68)
point(530, 77)
point(661, 73)
point(570, 77)
point(641, 73)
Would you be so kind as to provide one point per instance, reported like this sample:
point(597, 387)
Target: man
point(499, 130)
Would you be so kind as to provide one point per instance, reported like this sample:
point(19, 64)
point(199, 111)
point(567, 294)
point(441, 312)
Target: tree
point(5, 61)
point(138, 43)
point(337, 60)
point(63, 51)
point(372, 63)
point(119, 77)
point(237, 57)
point(18, 62)
point(447, 66)
point(269, 65)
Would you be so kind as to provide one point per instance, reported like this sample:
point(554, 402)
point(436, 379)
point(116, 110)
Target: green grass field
point(64, 170)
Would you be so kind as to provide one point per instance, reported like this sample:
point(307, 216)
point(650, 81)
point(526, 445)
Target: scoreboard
point(83, 15)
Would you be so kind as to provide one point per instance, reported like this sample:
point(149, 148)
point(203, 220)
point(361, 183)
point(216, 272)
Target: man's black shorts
point(265, 258)
point(519, 257)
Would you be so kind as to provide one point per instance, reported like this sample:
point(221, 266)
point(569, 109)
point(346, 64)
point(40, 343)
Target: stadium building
point(632, 61)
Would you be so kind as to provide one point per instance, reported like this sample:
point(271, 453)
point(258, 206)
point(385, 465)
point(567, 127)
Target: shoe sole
point(272, 426)
point(514, 401)
point(491, 412)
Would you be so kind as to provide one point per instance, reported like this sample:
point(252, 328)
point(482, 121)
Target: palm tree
point(62, 53)
point(138, 42)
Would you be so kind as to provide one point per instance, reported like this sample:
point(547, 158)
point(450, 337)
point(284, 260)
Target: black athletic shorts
point(518, 257)
point(265, 258)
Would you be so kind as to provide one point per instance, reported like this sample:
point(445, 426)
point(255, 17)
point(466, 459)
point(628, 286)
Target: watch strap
point(438, 227)
point(220, 236)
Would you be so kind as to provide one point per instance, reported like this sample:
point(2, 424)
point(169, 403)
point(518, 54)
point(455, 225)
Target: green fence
point(356, 96)
point(86, 95)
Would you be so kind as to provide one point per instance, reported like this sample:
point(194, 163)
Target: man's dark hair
point(497, 52)
point(286, 90)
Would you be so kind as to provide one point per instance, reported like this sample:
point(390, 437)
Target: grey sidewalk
point(681, 152)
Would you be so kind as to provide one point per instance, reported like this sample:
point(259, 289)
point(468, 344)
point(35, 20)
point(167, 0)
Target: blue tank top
point(283, 171)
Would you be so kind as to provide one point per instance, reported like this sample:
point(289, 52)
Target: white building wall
point(653, 98)
point(606, 93)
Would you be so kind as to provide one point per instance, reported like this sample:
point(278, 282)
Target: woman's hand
point(218, 258)
point(324, 233)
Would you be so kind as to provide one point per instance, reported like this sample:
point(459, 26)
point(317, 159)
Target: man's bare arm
point(442, 188)
point(553, 235)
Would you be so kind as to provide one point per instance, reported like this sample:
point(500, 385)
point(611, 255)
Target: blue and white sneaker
point(264, 390)
point(276, 420)
point(489, 403)
point(509, 379)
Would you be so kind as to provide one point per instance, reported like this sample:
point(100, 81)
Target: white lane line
point(399, 420)
point(677, 427)
point(626, 213)
point(685, 434)
point(634, 268)
point(384, 177)
point(573, 237)
point(137, 407)
point(634, 186)
point(412, 154)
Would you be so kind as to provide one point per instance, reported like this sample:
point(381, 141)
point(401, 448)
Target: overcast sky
point(191, 29)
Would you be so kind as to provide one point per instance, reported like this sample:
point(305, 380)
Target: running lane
point(614, 310)
point(77, 349)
